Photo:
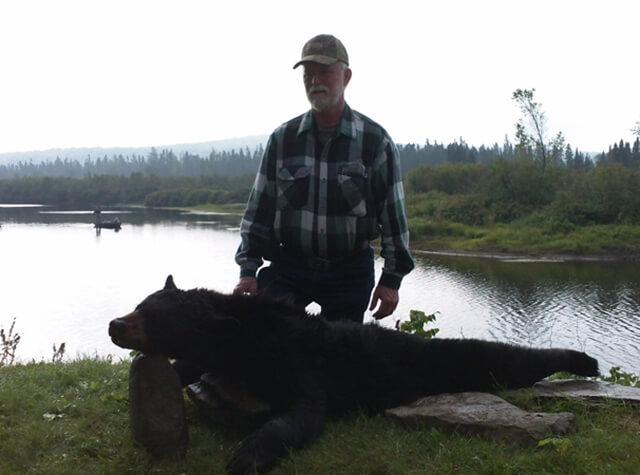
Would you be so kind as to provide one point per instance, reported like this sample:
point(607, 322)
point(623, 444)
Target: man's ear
point(347, 76)
point(169, 285)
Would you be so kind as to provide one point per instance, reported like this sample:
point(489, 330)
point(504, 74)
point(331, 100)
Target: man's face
point(325, 84)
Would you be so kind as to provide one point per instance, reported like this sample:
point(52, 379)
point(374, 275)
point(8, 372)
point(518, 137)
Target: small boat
point(115, 224)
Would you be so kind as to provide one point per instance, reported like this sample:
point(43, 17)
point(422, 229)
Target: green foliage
point(111, 189)
point(531, 134)
point(195, 197)
point(560, 444)
point(450, 178)
point(623, 154)
point(8, 343)
point(466, 209)
point(516, 188)
point(602, 195)
point(417, 324)
point(58, 352)
point(616, 375)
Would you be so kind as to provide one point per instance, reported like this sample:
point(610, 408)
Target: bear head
point(172, 323)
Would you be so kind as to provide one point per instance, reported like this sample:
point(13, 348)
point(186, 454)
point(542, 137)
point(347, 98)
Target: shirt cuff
point(248, 272)
point(390, 280)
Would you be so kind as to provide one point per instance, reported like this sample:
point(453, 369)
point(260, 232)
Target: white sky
point(76, 73)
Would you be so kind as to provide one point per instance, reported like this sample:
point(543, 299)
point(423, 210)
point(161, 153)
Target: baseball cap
point(323, 49)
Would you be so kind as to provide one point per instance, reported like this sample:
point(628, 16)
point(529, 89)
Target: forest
point(506, 181)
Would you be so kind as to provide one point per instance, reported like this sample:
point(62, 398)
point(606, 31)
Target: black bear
point(306, 368)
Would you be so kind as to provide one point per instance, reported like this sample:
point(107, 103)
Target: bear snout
point(117, 327)
point(127, 332)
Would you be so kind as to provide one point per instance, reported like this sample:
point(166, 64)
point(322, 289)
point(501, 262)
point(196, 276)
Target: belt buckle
point(318, 263)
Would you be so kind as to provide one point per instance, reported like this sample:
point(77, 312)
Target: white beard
point(321, 102)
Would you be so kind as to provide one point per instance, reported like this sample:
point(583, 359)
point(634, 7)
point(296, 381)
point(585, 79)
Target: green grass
point(522, 237)
point(72, 418)
point(231, 208)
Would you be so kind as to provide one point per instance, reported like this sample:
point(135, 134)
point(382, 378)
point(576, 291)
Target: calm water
point(63, 283)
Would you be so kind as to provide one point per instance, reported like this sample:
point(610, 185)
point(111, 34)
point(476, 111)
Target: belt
point(316, 263)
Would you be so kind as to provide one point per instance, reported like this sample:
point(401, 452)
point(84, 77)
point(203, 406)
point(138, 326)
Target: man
point(329, 183)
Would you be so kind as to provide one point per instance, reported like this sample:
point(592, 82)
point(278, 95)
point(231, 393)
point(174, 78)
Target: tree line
point(479, 185)
point(165, 163)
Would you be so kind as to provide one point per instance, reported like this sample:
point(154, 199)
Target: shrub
point(466, 209)
point(450, 178)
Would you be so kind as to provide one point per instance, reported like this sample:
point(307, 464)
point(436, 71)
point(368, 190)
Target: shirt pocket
point(293, 187)
point(352, 183)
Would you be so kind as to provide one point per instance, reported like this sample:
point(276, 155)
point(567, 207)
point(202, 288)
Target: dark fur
point(306, 368)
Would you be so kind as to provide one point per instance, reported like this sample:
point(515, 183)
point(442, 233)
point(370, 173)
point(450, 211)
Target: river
point(63, 282)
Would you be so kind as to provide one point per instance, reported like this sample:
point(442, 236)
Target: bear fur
point(306, 368)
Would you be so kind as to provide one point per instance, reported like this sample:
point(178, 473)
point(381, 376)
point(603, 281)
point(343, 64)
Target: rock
point(482, 413)
point(585, 389)
point(156, 407)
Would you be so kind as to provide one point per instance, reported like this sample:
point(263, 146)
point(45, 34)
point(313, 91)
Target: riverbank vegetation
point(536, 196)
point(499, 206)
point(63, 418)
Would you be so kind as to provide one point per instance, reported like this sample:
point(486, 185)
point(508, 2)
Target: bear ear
point(169, 285)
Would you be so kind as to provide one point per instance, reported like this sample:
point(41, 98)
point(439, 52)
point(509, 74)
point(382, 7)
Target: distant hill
point(80, 154)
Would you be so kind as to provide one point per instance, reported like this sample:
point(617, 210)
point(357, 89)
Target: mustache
point(314, 89)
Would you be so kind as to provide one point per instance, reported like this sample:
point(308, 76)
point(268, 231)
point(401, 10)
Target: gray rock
point(156, 407)
point(482, 413)
point(585, 389)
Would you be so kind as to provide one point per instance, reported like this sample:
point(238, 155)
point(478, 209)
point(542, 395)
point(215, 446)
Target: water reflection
point(586, 305)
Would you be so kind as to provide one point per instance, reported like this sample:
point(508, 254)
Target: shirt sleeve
point(392, 217)
point(256, 228)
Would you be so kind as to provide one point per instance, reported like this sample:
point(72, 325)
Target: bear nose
point(116, 327)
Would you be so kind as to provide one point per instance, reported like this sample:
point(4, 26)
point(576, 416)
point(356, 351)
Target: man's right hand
point(246, 285)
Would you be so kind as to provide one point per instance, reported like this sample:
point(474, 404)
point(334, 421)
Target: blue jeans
point(343, 292)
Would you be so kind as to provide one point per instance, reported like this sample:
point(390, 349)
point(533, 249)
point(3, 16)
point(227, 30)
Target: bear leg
point(298, 426)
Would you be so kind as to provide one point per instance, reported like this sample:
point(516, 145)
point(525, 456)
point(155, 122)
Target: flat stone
point(585, 389)
point(156, 407)
point(482, 414)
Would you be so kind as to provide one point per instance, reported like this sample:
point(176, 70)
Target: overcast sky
point(141, 73)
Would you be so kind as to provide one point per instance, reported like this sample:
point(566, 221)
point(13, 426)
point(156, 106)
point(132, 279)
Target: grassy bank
point(527, 236)
point(72, 418)
point(616, 241)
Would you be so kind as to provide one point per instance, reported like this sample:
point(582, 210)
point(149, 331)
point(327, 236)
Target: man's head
point(326, 72)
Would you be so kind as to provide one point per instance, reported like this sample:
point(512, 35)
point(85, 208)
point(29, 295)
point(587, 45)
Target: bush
point(466, 209)
point(450, 178)
point(602, 195)
point(516, 188)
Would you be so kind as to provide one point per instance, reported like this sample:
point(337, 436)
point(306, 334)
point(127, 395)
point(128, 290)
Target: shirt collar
point(346, 126)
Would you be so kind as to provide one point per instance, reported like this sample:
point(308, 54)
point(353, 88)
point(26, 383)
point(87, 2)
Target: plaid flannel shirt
point(329, 200)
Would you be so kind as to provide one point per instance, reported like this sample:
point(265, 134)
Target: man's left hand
point(388, 298)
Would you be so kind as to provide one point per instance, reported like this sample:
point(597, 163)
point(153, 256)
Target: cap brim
point(316, 58)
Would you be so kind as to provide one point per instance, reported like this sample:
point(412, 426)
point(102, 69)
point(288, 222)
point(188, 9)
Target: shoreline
point(507, 256)
point(524, 257)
